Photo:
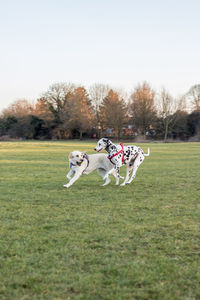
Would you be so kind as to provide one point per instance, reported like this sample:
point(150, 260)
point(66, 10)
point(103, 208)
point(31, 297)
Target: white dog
point(120, 155)
point(81, 163)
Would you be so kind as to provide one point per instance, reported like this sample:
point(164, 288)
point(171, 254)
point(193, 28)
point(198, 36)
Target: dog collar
point(87, 158)
point(71, 165)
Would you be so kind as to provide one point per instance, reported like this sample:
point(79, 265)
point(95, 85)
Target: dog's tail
point(148, 153)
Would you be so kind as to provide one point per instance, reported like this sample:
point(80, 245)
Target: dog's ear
point(70, 156)
point(107, 141)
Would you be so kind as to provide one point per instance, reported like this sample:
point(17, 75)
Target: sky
point(116, 42)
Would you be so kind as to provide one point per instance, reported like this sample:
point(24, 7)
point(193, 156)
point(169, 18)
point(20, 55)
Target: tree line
point(67, 111)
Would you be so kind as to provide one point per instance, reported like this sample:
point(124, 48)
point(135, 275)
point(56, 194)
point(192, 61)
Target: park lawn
point(141, 241)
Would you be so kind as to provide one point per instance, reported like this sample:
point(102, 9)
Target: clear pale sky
point(117, 42)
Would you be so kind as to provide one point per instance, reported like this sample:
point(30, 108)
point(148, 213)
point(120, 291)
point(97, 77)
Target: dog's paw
point(107, 182)
point(117, 181)
point(66, 185)
point(123, 184)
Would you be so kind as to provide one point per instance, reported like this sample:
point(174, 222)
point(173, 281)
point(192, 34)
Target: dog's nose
point(95, 149)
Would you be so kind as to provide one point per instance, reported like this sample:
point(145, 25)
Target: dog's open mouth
point(99, 150)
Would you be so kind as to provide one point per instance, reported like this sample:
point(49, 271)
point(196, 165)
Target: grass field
point(141, 241)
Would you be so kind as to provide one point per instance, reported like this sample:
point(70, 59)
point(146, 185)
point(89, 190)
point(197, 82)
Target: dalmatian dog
point(81, 163)
point(119, 155)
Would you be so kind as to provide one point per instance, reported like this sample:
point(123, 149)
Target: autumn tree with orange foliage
point(113, 112)
point(142, 108)
point(20, 108)
point(42, 110)
point(79, 111)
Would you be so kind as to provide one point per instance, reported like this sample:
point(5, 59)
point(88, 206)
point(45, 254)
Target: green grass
point(141, 241)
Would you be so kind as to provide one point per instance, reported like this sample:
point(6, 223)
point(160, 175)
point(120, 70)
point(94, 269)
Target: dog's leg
point(128, 170)
point(136, 165)
point(107, 181)
point(118, 176)
point(116, 168)
point(71, 172)
point(127, 175)
point(102, 173)
point(76, 177)
point(114, 173)
point(108, 173)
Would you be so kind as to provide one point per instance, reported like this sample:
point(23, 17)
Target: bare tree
point(97, 93)
point(56, 97)
point(168, 110)
point(194, 97)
